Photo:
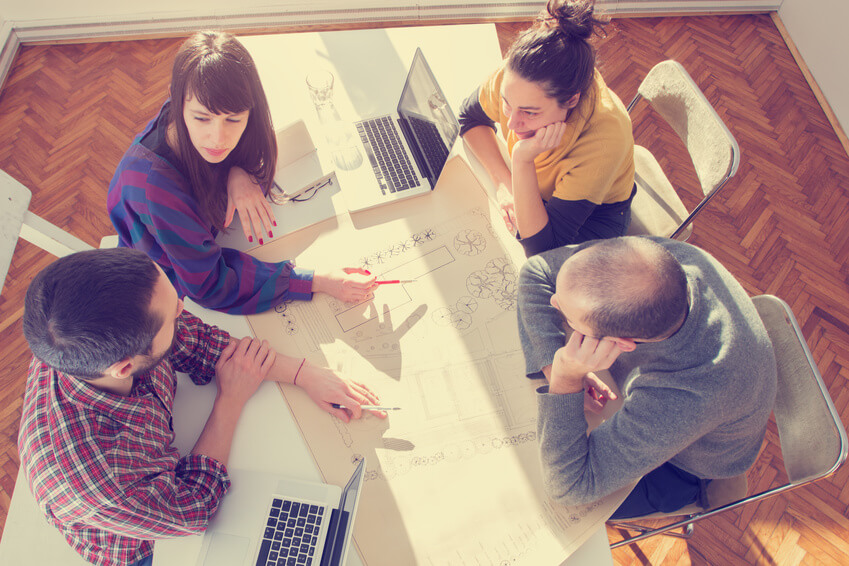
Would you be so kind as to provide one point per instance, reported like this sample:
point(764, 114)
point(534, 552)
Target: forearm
point(197, 348)
point(216, 438)
point(531, 215)
point(540, 326)
point(563, 442)
point(285, 369)
point(484, 145)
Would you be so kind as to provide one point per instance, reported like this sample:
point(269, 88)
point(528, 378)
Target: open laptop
point(269, 520)
point(405, 152)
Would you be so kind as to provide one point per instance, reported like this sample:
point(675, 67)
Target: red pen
point(393, 281)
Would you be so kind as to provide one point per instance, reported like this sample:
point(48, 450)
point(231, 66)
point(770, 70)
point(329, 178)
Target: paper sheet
point(453, 478)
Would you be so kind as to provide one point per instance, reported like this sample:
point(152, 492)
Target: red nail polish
point(270, 235)
point(275, 222)
point(368, 272)
point(260, 241)
point(250, 238)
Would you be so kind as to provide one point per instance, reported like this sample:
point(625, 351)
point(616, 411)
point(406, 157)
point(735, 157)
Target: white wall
point(818, 28)
point(88, 10)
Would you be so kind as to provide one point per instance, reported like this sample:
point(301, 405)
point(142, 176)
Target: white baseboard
point(9, 43)
point(334, 12)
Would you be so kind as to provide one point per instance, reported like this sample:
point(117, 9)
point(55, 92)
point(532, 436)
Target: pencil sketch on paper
point(469, 242)
point(287, 319)
point(398, 248)
point(496, 281)
point(459, 316)
point(444, 348)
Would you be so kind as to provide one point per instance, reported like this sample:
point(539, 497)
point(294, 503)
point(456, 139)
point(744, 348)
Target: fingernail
point(274, 222)
point(368, 272)
point(260, 241)
point(270, 235)
point(250, 238)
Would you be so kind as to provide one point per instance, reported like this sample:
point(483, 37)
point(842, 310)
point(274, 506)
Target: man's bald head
point(627, 287)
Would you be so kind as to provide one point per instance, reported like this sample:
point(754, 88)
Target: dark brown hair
point(89, 310)
point(555, 53)
point(217, 70)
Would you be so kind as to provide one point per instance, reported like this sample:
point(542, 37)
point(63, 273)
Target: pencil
point(393, 281)
point(367, 407)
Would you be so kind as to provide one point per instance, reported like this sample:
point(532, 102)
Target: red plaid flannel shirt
point(101, 466)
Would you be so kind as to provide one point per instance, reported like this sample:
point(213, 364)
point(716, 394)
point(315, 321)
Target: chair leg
point(645, 532)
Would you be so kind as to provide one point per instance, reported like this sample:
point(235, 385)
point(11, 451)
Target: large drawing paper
point(454, 476)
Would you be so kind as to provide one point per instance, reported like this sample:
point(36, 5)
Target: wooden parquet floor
point(68, 112)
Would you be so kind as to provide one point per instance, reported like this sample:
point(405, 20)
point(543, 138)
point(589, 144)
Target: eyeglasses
point(278, 196)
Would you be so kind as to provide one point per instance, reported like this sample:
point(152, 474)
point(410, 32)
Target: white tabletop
point(369, 68)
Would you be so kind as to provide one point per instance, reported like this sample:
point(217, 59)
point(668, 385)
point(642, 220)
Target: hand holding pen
point(330, 390)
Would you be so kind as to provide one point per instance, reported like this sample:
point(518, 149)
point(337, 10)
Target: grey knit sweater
point(699, 399)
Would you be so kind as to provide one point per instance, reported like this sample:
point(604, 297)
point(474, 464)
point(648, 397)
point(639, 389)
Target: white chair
point(657, 209)
point(811, 436)
point(17, 221)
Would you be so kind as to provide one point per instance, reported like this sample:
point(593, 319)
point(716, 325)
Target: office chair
point(811, 437)
point(657, 209)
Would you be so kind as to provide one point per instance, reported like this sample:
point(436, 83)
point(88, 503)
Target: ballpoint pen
point(367, 407)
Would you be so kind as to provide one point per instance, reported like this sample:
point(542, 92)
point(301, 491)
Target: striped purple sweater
point(151, 206)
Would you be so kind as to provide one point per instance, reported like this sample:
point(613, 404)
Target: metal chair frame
point(687, 521)
point(735, 149)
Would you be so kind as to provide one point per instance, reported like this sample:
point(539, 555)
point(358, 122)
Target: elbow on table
point(569, 495)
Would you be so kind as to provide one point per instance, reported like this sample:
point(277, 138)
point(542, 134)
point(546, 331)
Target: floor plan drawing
point(462, 451)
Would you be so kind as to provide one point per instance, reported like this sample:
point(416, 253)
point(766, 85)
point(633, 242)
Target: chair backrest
point(673, 94)
point(812, 437)
point(17, 221)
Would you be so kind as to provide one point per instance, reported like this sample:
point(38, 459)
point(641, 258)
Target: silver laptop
point(271, 520)
point(405, 152)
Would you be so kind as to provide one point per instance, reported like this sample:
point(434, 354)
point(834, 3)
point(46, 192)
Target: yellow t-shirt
point(595, 160)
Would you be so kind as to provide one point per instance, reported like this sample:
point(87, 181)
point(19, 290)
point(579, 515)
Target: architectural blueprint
point(453, 477)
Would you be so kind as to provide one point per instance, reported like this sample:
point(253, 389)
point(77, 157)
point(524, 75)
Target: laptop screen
point(342, 519)
point(427, 118)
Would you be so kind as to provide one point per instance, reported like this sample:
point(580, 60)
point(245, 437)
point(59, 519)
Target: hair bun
point(572, 18)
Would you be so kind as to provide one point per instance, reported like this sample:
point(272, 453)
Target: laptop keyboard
point(433, 147)
point(291, 534)
point(391, 165)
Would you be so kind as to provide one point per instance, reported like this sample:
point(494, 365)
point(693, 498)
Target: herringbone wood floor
point(68, 112)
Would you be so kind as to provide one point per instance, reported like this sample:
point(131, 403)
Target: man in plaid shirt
point(108, 332)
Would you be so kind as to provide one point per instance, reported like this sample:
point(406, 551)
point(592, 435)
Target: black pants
point(665, 489)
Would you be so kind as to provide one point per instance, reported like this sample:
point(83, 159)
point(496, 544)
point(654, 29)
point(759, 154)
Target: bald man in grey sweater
point(685, 346)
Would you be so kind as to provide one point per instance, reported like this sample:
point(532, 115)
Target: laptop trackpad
point(226, 550)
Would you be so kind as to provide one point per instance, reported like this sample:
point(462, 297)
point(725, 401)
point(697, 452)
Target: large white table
point(370, 67)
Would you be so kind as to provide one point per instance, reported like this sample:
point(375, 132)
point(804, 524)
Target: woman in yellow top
point(569, 136)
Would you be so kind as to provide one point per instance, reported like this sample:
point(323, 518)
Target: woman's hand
point(350, 284)
point(504, 197)
point(245, 196)
point(325, 386)
point(544, 139)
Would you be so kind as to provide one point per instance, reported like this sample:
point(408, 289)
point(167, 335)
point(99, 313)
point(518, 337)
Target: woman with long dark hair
point(211, 152)
point(571, 176)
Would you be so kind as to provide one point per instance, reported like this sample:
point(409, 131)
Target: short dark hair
point(636, 287)
point(89, 310)
point(555, 53)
